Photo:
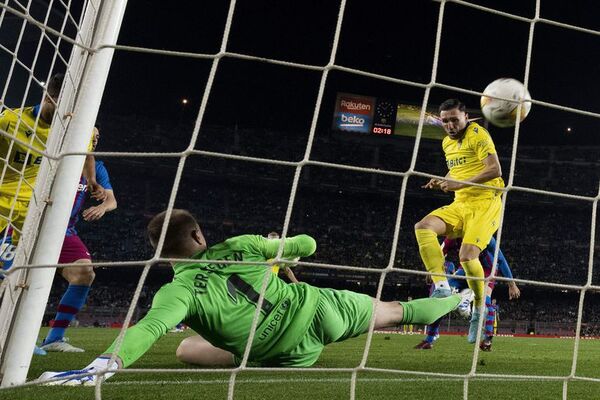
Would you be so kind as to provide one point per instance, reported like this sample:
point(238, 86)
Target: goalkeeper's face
point(454, 122)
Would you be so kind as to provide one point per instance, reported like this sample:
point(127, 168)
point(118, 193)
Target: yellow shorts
point(18, 215)
point(473, 220)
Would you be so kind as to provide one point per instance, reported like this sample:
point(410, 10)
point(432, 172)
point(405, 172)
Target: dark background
point(265, 110)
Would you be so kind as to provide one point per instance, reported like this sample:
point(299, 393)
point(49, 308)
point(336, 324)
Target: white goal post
point(28, 289)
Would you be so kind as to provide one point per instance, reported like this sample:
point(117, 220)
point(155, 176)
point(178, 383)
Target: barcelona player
point(219, 301)
point(80, 277)
point(474, 215)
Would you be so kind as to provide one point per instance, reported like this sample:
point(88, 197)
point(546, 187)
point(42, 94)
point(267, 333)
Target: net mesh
point(21, 11)
point(39, 41)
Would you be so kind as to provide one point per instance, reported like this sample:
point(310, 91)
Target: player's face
point(454, 121)
point(96, 138)
point(49, 107)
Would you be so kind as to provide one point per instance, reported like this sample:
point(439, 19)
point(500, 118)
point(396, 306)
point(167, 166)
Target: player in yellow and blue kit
point(29, 125)
point(474, 215)
point(219, 302)
point(20, 164)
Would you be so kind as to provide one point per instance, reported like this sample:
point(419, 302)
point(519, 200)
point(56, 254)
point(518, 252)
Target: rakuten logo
point(352, 120)
point(355, 106)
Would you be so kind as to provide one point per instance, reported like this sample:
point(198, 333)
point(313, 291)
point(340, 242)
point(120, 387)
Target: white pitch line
point(302, 380)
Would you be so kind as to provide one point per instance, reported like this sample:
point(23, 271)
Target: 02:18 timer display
point(382, 131)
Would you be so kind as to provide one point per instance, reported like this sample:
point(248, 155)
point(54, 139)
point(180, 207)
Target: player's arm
point(94, 213)
point(290, 275)
point(89, 172)
point(293, 247)
point(109, 203)
point(492, 169)
point(169, 307)
point(513, 290)
point(435, 183)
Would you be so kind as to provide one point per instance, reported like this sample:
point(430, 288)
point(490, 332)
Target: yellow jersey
point(464, 159)
point(15, 158)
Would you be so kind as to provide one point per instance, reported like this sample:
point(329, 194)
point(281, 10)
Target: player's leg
point(12, 214)
point(457, 285)
point(469, 259)
point(198, 351)
point(486, 344)
point(439, 222)
point(480, 222)
point(432, 333)
point(420, 312)
point(80, 279)
point(9, 237)
point(7, 248)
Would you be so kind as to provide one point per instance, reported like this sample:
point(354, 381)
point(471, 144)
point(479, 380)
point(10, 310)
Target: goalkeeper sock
point(426, 311)
point(432, 256)
point(474, 269)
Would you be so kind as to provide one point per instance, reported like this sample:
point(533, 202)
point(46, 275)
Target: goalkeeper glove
point(75, 377)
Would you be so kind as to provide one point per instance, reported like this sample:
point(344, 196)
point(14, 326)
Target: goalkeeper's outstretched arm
point(296, 246)
point(169, 307)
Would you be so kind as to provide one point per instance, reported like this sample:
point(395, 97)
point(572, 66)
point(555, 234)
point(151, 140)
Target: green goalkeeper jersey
point(219, 301)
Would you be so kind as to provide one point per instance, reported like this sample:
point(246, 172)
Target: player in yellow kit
point(20, 164)
point(474, 214)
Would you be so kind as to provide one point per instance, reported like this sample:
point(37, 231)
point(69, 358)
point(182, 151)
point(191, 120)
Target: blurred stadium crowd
point(351, 214)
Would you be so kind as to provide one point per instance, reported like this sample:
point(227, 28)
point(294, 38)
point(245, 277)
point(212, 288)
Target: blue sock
point(70, 304)
point(432, 331)
point(490, 318)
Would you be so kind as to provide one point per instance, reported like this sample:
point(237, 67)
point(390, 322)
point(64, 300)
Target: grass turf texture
point(452, 354)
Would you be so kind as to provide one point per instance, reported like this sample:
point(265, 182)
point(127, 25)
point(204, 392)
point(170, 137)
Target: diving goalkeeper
point(219, 301)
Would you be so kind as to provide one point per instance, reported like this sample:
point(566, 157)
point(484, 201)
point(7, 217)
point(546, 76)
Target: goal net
point(43, 42)
point(182, 164)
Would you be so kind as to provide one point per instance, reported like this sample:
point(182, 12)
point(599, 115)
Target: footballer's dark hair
point(451, 104)
point(54, 84)
point(181, 226)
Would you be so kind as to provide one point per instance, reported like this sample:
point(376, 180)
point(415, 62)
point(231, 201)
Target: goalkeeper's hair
point(182, 224)
point(451, 104)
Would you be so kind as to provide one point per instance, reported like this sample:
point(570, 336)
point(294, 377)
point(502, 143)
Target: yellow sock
point(431, 253)
point(474, 269)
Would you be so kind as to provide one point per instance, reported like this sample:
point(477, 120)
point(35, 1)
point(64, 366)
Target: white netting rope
point(11, 289)
point(405, 175)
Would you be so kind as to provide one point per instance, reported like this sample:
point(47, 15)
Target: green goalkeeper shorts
point(340, 315)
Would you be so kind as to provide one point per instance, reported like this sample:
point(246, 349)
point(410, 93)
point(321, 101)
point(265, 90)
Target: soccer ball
point(503, 113)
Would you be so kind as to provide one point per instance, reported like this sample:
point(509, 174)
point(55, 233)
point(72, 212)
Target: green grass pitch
point(452, 354)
